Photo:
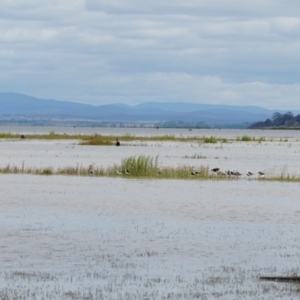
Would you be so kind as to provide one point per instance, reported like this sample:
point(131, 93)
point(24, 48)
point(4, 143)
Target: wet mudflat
point(108, 238)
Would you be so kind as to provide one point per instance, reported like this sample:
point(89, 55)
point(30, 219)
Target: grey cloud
point(230, 52)
point(232, 8)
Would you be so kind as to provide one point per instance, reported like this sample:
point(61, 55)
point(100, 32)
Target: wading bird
point(90, 169)
point(194, 172)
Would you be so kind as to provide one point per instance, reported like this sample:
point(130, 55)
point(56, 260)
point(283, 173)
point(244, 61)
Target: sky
point(233, 52)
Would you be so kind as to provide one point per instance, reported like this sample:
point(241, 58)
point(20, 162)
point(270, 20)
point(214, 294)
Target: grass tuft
point(210, 140)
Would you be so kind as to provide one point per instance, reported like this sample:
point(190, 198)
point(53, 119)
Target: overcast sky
point(234, 52)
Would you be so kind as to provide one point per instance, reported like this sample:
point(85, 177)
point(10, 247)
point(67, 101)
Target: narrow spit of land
point(110, 140)
point(146, 167)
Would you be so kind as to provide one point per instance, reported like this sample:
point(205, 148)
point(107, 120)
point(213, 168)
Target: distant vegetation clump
point(279, 121)
point(210, 140)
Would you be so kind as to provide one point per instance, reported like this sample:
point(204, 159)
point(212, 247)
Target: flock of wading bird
point(236, 173)
point(215, 171)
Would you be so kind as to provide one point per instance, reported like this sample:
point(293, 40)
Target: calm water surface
point(227, 133)
point(116, 238)
point(147, 238)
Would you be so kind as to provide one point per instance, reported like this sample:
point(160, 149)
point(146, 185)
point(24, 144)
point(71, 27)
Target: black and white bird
point(127, 172)
point(249, 173)
point(194, 172)
point(118, 143)
point(215, 170)
point(119, 172)
point(236, 173)
point(261, 174)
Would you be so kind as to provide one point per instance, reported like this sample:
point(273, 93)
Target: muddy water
point(119, 238)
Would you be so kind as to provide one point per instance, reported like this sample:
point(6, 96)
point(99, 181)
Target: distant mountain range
point(14, 104)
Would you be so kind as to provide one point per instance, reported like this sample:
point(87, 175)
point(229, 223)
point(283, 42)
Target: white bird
point(119, 172)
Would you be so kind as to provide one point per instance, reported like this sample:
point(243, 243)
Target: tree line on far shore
point(279, 120)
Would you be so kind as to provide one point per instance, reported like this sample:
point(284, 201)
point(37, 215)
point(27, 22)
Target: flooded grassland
point(72, 237)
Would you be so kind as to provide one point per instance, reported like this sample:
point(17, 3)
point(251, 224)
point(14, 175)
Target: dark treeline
point(279, 120)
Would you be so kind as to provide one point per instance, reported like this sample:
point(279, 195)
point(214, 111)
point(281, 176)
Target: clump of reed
point(210, 140)
point(141, 165)
point(147, 166)
point(245, 138)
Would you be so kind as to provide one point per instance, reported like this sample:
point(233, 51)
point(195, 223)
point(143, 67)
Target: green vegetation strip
point(132, 167)
point(140, 167)
point(110, 140)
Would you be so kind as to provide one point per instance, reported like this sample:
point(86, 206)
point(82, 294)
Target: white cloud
point(100, 51)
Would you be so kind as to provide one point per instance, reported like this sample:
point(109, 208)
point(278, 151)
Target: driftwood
point(281, 278)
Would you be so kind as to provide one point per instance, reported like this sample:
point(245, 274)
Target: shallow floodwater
point(65, 237)
point(178, 132)
point(107, 238)
point(270, 157)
